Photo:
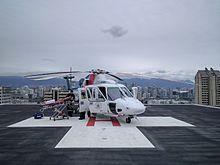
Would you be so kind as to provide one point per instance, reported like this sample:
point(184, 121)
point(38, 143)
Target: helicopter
point(99, 94)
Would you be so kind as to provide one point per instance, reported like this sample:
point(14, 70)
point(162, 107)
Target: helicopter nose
point(136, 108)
point(133, 106)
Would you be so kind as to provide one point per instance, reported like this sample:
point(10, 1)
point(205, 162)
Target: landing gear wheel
point(93, 114)
point(70, 113)
point(128, 120)
point(89, 113)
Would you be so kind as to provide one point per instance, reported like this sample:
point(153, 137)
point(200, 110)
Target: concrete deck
point(197, 142)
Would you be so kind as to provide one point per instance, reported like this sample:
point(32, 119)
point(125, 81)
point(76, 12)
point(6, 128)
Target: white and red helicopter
point(99, 94)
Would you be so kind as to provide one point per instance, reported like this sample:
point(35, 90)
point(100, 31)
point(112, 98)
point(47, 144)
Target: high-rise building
point(207, 87)
point(5, 95)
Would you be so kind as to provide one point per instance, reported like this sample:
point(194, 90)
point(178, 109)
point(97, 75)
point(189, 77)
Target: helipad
point(103, 133)
point(180, 134)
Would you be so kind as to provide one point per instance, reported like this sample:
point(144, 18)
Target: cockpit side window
point(114, 93)
point(127, 92)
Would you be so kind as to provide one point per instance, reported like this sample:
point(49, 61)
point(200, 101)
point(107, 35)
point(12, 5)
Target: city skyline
point(158, 38)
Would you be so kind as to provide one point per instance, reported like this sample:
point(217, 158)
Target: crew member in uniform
point(70, 103)
point(83, 106)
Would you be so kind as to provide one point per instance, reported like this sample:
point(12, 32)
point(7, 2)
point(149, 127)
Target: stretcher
point(59, 112)
point(58, 108)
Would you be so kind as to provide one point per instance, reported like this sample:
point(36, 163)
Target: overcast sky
point(152, 36)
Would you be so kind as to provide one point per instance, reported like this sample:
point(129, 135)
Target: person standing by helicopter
point(83, 108)
point(70, 103)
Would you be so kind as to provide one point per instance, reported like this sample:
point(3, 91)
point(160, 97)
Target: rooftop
point(197, 144)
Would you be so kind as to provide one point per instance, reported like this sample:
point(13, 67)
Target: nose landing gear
point(128, 120)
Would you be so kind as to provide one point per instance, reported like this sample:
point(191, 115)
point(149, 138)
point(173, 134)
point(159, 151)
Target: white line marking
point(103, 134)
point(104, 137)
point(46, 122)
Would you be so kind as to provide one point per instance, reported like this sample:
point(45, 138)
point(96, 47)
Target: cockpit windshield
point(114, 93)
point(127, 92)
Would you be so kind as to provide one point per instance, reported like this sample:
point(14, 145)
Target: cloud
point(116, 31)
point(161, 71)
point(164, 74)
point(163, 35)
point(48, 60)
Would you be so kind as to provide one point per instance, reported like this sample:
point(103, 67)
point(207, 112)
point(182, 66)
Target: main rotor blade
point(46, 76)
point(43, 78)
point(114, 76)
point(51, 73)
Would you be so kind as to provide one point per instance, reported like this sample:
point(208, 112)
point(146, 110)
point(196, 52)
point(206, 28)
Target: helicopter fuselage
point(110, 99)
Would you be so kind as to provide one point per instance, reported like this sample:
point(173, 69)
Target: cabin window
point(89, 92)
point(103, 91)
point(83, 95)
point(93, 93)
point(99, 95)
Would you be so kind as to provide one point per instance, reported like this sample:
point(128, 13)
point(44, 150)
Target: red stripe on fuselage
point(91, 79)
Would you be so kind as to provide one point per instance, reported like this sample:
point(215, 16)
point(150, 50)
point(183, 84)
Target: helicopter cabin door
point(97, 100)
point(83, 101)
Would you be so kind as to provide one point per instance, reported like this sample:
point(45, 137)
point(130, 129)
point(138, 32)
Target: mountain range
point(18, 81)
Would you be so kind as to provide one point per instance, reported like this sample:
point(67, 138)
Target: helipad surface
point(103, 134)
point(162, 135)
